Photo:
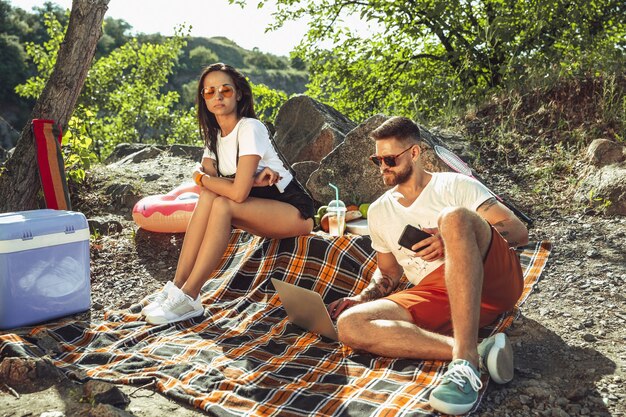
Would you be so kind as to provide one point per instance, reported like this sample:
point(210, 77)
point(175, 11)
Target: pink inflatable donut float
point(167, 213)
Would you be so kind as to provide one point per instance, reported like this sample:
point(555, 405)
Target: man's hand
point(337, 307)
point(434, 248)
point(266, 177)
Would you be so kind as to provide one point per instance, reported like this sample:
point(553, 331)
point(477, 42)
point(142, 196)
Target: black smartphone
point(410, 236)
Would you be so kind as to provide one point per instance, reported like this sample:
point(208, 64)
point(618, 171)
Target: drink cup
point(336, 217)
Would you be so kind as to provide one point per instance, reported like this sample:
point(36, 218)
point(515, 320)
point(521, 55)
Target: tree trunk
point(19, 183)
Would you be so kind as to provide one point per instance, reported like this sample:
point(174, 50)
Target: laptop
point(305, 308)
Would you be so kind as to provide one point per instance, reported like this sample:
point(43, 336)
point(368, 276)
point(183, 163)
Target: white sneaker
point(155, 300)
point(496, 354)
point(177, 307)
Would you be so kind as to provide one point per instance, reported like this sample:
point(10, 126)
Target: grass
point(539, 135)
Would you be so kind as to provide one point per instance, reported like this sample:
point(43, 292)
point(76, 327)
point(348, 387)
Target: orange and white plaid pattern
point(243, 357)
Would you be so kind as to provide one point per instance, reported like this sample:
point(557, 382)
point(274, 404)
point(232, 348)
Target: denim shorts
point(294, 195)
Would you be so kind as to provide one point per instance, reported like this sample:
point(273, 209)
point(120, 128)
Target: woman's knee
point(206, 196)
point(221, 206)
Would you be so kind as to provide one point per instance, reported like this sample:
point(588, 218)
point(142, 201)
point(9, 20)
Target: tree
point(121, 101)
point(19, 183)
point(426, 53)
point(200, 57)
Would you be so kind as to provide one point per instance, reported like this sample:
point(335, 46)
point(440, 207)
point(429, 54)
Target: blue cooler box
point(44, 266)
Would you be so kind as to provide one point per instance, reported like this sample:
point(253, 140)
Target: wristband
point(198, 179)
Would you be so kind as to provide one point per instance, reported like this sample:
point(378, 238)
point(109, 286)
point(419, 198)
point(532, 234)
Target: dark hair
point(245, 106)
point(400, 128)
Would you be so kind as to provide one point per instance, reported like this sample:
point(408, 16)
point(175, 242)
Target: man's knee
point(351, 326)
point(451, 218)
point(462, 222)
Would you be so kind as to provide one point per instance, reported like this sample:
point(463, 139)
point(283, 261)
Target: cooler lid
point(33, 223)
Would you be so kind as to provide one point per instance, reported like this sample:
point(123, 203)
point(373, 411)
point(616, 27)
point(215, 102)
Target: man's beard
point(400, 177)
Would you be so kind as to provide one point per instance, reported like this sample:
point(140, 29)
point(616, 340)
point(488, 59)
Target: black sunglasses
point(389, 160)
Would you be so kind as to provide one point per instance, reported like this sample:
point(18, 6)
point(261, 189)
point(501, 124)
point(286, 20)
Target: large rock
point(28, 374)
point(187, 151)
point(605, 188)
point(104, 393)
point(304, 170)
point(136, 152)
point(604, 152)
point(143, 155)
point(603, 181)
point(349, 168)
point(124, 150)
point(307, 130)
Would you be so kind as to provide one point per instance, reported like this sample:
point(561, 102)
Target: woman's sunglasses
point(225, 90)
point(389, 160)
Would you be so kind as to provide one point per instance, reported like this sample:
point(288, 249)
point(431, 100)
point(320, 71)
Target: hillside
point(262, 68)
point(19, 27)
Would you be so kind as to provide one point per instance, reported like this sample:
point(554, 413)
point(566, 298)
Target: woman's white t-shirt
point(387, 218)
point(252, 138)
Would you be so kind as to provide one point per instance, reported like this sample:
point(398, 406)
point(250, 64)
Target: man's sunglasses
point(389, 160)
point(225, 90)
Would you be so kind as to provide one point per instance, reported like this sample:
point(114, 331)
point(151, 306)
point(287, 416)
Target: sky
point(208, 18)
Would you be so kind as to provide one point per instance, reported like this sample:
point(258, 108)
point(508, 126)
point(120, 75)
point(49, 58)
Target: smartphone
point(412, 235)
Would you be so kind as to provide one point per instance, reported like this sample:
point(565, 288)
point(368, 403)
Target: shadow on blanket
point(243, 357)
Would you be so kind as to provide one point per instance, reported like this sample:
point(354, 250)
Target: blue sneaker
point(496, 355)
point(458, 392)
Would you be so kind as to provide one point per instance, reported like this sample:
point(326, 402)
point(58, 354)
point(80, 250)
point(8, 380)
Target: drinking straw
point(336, 194)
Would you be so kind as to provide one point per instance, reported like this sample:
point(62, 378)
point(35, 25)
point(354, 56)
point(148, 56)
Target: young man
point(465, 275)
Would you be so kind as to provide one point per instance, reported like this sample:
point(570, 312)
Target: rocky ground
point(569, 342)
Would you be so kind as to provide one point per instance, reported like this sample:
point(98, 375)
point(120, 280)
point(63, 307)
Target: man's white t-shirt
point(252, 138)
point(387, 217)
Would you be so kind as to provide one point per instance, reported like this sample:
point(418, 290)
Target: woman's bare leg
point(262, 217)
point(193, 237)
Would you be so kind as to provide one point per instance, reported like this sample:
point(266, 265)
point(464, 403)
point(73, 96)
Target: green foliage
point(19, 28)
point(121, 100)
point(261, 68)
point(200, 56)
point(266, 61)
point(28, 27)
point(12, 64)
point(114, 35)
point(78, 151)
point(124, 91)
point(434, 55)
point(267, 101)
point(597, 202)
point(44, 56)
point(185, 129)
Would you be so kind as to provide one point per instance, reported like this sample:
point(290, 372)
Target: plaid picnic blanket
point(243, 357)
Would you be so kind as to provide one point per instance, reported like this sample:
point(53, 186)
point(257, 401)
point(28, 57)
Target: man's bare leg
point(466, 238)
point(384, 328)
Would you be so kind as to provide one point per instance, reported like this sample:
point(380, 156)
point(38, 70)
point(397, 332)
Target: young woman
point(245, 184)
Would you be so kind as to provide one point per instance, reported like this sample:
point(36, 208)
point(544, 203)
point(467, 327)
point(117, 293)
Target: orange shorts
point(502, 286)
